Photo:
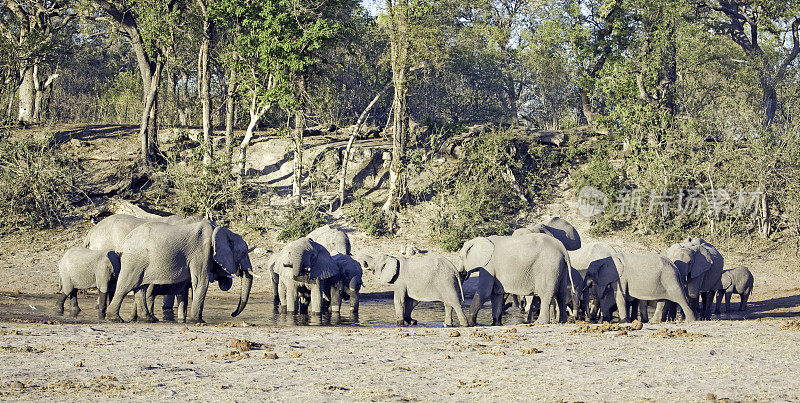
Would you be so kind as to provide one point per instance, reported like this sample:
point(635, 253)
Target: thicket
point(37, 182)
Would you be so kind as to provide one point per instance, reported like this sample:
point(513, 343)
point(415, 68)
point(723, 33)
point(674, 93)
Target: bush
point(369, 218)
point(300, 221)
point(209, 191)
point(478, 199)
point(37, 182)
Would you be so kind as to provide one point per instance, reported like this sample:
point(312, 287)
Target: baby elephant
point(420, 278)
point(738, 280)
point(81, 268)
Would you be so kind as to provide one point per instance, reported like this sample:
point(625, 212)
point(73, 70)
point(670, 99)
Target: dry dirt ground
point(741, 357)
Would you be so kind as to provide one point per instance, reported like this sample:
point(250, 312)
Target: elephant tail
point(568, 268)
point(460, 287)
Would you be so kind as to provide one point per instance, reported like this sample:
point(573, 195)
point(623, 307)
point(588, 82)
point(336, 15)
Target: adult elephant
point(164, 254)
point(556, 227)
point(304, 265)
point(525, 264)
point(337, 242)
point(645, 277)
point(110, 232)
point(700, 265)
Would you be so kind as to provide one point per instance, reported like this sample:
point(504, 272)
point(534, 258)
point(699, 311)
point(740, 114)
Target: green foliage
point(369, 217)
point(198, 190)
point(37, 182)
point(300, 221)
point(478, 198)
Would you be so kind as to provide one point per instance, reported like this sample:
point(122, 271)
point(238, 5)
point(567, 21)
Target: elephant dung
point(791, 325)
point(270, 356)
point(668, 334)
point(532, 350)
point(455, 333)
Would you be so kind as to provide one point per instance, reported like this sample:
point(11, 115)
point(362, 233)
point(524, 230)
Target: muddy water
point(376, 310)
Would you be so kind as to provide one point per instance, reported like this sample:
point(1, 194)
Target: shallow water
point(376, 310)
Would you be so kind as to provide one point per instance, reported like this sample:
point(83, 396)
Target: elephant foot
point(283, 309)
point(148, 319)
point(497, 322)
point(75, 313)
point(114, 319)
point(411, 321)
point(193, 321)
point(58, 312)
point(401, 323)
point(101, 315)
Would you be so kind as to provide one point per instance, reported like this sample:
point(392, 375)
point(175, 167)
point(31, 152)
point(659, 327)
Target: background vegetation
point(659, 97)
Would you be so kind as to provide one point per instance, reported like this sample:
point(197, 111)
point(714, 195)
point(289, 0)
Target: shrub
point(300, 221)
point(208, 191)
point(369, 218)
point(37, 182)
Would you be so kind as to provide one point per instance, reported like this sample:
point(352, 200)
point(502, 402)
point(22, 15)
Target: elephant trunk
point(247, 283)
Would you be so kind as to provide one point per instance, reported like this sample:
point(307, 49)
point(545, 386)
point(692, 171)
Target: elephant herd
point(544, 267)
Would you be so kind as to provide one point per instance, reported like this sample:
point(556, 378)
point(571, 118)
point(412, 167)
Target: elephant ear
point(726, 280)
point(223, 253)
point(389, 270)
point(477, 253)
point(607, 270)
point(322, 265)
point(701, 261)
point(681, 257)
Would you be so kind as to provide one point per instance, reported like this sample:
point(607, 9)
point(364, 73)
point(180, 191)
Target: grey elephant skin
point(333, 239)
point(581, 259)
point(82, 268)
point(164, 254)
point(645, 277)
point(420, 278)
point(700, 265)
point(304, 267)
point(556, 227)
point(738, 280)
point(111, 231)
point(526, 264)
point(337, 242)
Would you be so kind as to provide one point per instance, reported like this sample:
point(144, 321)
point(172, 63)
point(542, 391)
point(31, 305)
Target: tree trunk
point(27, 96)
point(243, 148)
point(399, 31)
point(205, 86)
point(353, 136)
point(230, 105)
point(299, 125)
point(148, 129)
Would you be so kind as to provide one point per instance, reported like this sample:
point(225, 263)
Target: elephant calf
point(81, 268)
point(738, 280)
point(420, 278)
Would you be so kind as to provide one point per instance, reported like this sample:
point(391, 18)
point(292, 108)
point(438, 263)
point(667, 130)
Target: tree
point(754, 26)
point(204, 80)
point(33, 27)
point(146, 24)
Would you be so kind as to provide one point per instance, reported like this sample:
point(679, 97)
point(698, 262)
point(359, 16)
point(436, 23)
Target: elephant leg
point(140, 297)
point(198, 299)
point(336, 297)
point(728, 301)
point(290, 290)
point(354, 299)
point(102, 300)
point(622, 305)
point(73, 300)
point(410, 304)
point(149, 299)
point(60, 299)
point(168, 307)
point(643, 311)
point(316, 298)
point(183, 302)
point(400, 307)
point(498, 307)
point(743, 297)
point(448, 316)
point(718, 301)
point(484, 293)
point(462, 319)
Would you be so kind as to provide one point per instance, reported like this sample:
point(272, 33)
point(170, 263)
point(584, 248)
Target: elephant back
point(333, 239)
point(111, 231)
point(560, 229)
point(582, 258)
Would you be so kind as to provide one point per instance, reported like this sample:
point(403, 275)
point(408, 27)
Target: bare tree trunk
point(399, 31)
point(148, 129)
point(205, 84)
point(353, 136)
point(27, 96)
point(230, 106)
point(256, 112)
point(299, 125)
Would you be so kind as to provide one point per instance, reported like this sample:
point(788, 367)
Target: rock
point(455, 333)
point(295, 354)
point(16, 385)
point(270, 356)
point(711, 396)
point(532, 350)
